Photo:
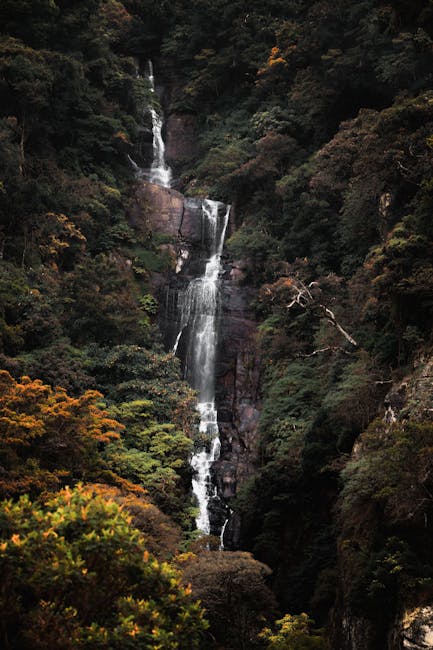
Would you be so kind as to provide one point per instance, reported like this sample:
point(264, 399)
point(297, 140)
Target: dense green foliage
point(153, 455)
point(293, 633)
point(100, 402)
point(74, 286)
point(316, 122)
point(76, 574)
point(315, 119)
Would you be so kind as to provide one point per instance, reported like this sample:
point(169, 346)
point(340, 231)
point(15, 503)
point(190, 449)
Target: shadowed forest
point(314, 120)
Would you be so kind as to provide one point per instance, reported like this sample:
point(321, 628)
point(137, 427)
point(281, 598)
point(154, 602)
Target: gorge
point(197, 315)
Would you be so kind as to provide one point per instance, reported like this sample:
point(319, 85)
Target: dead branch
point(333, 321)
point(405, 172)
point(303, 297)
point(329, 348)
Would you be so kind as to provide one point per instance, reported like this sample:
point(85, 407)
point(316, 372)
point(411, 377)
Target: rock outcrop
point(164, 210)
point(181, 139)
point(413, 396)
point(417, 629)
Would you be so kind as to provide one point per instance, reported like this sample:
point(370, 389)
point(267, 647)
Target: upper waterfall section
point(159, 173)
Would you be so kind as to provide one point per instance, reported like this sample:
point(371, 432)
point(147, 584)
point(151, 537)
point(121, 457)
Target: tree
point(306, 297)
point(293, 633)
point(75, 574)
point(232, 587)
point(46, 435)
point(161, 535)
point(154, 455)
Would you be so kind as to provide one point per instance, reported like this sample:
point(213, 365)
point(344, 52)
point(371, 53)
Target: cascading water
point(199, 318)
point(223, 530)
point(160, 172)
point(199, 315)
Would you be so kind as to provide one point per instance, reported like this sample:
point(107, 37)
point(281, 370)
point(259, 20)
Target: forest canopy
point(314, 120)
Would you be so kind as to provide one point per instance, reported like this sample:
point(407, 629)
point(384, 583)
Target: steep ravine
point(236, 366)
point(238, 379)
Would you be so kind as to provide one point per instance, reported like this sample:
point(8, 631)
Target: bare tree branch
point(329, 348)
point(303, 297)
point(336, 324)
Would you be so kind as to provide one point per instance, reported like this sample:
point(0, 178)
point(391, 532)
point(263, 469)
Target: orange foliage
point(275, 57)
point(277, 291)
point(275, 62)
point(31, 409)
point(161, 534)
point(45, 434)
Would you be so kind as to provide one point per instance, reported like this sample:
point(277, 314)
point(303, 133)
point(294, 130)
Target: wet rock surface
point(238, 395)
point(164, 210)
point(238, 370)
point(181, 138)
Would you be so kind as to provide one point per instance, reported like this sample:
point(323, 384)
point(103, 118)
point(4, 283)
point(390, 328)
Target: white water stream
point(198, 316)
point(160, 172)
point(199, 312)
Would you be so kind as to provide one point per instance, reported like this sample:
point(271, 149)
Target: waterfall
point(160, 172)
point(199, 316)
point(223, 530)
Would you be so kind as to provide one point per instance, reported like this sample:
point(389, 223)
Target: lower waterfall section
point(197, 315)
point(202, 462)
point(198, 306)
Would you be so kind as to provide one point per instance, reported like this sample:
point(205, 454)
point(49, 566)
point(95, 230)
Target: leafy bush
point(48, 437)
point(75, 574)
point(293, 633)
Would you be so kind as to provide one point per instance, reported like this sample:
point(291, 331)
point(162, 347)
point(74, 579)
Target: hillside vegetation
point(315, 120)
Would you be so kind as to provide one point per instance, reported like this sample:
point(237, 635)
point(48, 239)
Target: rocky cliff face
point(416, 629)
point(238, 392)
point(167, 211)
point(181, 139)
point(411, 400)
point(413, 396)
